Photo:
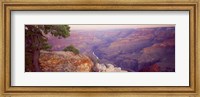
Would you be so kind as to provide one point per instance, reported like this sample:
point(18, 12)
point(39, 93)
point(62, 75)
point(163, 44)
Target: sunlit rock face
point(60, 61)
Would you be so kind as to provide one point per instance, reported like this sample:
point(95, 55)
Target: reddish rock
point(59, 61)
point(152, 68)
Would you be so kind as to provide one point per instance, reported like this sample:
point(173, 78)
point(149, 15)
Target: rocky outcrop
point(60, 61)
point(107, 68)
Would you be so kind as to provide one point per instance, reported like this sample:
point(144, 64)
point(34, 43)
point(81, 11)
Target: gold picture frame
point(193, 90)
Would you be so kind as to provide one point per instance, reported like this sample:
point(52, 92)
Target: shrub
point(72, 49)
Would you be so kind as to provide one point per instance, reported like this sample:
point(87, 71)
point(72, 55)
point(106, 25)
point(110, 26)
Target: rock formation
point(107, 68)
point(59, 61)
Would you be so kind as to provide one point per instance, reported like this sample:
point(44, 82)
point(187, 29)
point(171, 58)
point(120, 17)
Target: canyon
point(132, 50)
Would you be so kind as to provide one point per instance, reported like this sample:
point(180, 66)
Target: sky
point(99, 27)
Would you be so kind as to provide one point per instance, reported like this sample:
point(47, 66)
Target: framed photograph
point(100, 48)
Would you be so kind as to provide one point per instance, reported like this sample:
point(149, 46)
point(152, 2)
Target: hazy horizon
point(108, 26)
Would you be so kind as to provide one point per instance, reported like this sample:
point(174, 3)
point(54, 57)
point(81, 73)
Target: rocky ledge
point(60, 61)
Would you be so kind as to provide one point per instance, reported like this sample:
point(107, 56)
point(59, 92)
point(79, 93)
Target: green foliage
point(35, 35)
point(47, 46)
point(72, 49)
point(58, 30)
